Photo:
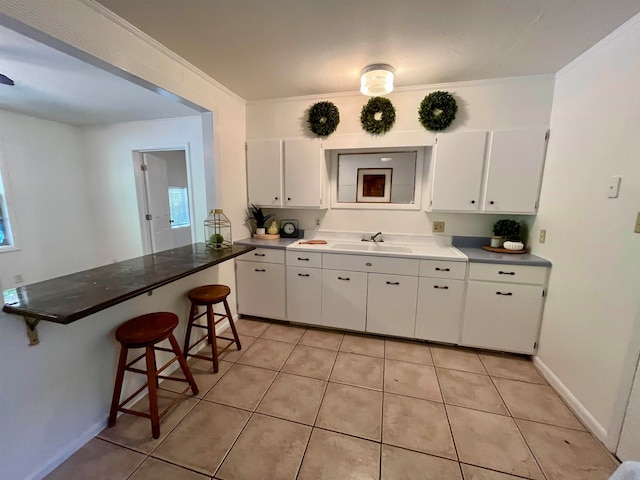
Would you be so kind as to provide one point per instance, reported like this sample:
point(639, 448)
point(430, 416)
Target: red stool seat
point(208, 296)
point(146, 331)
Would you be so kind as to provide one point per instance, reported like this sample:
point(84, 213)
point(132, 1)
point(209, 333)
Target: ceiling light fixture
point(376, 79)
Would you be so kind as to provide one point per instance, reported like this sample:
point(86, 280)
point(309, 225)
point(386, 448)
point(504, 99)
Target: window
point(179, 207)
point(6, 235)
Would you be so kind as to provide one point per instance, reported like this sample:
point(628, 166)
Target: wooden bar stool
point(208, 296)
point(145, 332)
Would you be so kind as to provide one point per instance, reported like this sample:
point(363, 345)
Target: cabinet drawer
point(443, 269)
point(371, 263)
point(508, 273)
point(304, 259)
point(268, 255)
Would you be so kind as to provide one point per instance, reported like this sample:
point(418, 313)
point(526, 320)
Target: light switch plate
point(543, 236)
point(637, 229)
point(613, 187)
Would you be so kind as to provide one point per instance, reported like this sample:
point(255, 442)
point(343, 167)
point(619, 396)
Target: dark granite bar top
point(72, 297)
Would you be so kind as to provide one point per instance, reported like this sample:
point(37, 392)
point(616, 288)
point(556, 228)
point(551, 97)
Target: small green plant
point(256, 214)
point(507, 229)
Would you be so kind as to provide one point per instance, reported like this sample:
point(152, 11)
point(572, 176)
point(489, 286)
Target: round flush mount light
point(376, 79)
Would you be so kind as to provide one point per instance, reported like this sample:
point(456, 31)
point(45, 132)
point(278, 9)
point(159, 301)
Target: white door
point(260, 289)
point(303, 173)
point(157, 187)
point(264, 172)
point(391, 304)
point(344, 299)
point(304, 295)
point(629, 445)
point(457, 173)
point(439, 311)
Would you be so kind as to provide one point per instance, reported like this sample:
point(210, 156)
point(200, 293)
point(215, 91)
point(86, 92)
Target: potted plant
point(256, 215)
point(506, 230)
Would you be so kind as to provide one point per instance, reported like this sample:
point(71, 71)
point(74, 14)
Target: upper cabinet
point(286, 173)
point(490, 172)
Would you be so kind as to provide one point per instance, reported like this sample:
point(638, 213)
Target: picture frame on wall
point(374, 185)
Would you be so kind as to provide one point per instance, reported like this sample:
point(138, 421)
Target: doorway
point(164, 199)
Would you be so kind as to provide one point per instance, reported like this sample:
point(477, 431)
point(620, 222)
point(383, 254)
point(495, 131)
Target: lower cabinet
point(304, 295)
point(439, 311)
point(344, 299)
point(391, 304)
point(261, 288)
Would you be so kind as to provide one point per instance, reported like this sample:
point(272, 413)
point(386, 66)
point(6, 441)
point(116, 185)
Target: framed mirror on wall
point(381, 179)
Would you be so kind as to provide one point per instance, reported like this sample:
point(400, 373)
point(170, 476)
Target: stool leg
point(183, 364)
point(153, 392)
point(233, 327)
point(187, 338)
point(211, 323)
point(117, 389)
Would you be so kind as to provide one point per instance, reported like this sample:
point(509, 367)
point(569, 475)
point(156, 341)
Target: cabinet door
point(516, 159)
point(260, 289)
point(303, 173)
point(457, 173)
point(502, 316)
point(264, 172)
point(304, 295)
point(439, 312)
point(344, 299)
point(391, 304)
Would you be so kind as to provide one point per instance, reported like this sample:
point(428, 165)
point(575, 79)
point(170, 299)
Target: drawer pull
point(344, 278)
point(506, 273)
point(393, 283)
point(259, 254)
point(368, 264)
point(443, 288)
point(303, 274)
point(506, 294)
point(303, 259)
point(260, 270)
point(438, 269)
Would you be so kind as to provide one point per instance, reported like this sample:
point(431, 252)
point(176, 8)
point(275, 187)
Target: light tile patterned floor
point(312, 404)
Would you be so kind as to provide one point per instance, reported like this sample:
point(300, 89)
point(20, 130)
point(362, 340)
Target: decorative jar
point(217, 230)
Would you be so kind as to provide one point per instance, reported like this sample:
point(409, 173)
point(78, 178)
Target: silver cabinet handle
point(260, 270)
point(303, 259)
point(303, 274)
point(344, 278)
point(506, 273)
point(438, 269)
point(443, 288)
point(506, 294)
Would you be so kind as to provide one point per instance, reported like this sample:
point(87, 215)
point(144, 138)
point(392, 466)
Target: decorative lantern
point(217, 230)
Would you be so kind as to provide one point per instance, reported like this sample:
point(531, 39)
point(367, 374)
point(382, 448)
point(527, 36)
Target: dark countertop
point(278, 243)
point(472, 248)
point(72, 297)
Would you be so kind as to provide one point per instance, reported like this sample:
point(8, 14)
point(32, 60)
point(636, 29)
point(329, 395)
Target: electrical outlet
point(317, 222)
point(18, 278)
point(438, 227)
point(543, 236)
point(637, 229)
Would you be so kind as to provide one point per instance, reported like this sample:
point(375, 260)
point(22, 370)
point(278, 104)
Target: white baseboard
point(69, 450)
point(592, 424)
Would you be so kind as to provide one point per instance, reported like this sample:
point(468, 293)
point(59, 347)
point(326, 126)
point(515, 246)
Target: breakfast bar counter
point(71, 297)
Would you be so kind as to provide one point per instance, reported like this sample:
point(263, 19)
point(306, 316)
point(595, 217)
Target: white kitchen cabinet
point(286, 173)
point(439, 309)
point(504, 315)
point(344, 299)
point(496, 173)
point(260, 283)
point(304, 294)
point(391, 304)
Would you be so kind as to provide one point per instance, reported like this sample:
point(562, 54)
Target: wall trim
point(592, 424)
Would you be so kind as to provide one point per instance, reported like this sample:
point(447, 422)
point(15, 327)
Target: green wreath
point(437, 111)
point(378, 115)
point(324, 118)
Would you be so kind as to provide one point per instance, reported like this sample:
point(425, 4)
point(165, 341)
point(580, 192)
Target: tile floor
point(304, 404)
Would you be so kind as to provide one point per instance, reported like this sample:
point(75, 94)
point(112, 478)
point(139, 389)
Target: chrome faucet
point(373, 238)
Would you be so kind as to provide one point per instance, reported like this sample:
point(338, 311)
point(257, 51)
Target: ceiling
point(263, 49)
point(55, 86)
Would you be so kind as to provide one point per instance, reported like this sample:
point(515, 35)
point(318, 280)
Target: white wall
point(112, 181)
point(74, 365)
point(484, 105)
point(591, 328)
point(47, 170)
